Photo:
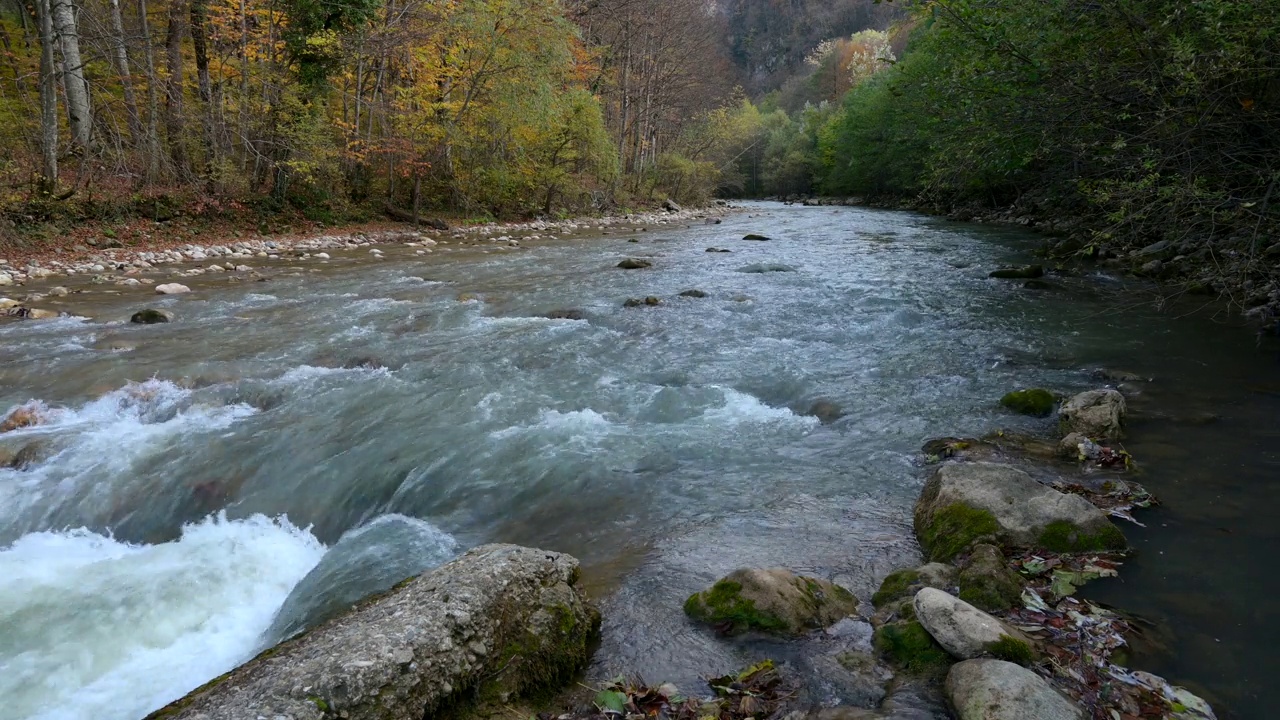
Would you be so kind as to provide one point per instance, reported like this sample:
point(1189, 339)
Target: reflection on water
point(662, 445)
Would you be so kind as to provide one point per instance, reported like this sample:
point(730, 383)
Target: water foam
point(96, 629)
point(741, 408)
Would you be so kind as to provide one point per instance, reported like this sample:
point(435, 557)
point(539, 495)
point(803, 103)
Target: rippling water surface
point(207, 487)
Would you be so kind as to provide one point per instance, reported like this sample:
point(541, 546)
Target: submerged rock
point(765, 268)
point(718, 250)
point(1095, 413)
point(650, 301)
point(566, 314)
point(826, 411)
point(755, 236)
point(962, 629)
point(987, 582)
point(775, 601)
point(498, 623)
point(634, 264)
point(151, 316)
point(693, 294)
point(998, 690)
point(972, 501)
point(1033, 401)
point(1026, 272)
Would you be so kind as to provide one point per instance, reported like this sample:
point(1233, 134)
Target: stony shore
point(244, 259)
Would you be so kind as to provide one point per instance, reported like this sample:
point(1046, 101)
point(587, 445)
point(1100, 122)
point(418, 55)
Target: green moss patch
point(1012, 650)
point(895, 585)
point(1035, 401)
point(724, 606)
point(952, 529)
point(1063, 537)
point(910, 647)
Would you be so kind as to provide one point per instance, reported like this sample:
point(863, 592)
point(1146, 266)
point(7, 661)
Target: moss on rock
point(895, 585)
point(1033, 401)
point(1011, 649)
point(952, 529)
point(1062, 536)
point(986, 581)
point(723, 604)
point(908, 646)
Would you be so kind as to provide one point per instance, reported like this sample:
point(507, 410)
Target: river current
point(207, 487)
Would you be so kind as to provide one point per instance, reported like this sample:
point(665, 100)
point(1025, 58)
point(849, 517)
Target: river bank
point(1243, 273)
point(400, 409)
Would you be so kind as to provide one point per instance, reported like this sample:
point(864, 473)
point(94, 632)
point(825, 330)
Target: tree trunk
point(126, 81)
point(175, 121)
point(48, 100)
point(152, 140)
point(199, 39)
point(74, 84)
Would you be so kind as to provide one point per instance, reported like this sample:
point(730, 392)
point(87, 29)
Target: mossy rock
point(987, 582)
point(1063, 537)
point(1032, 401)
point(895, 585)
point(773, 601)
point(908, 646)
point(954, 528)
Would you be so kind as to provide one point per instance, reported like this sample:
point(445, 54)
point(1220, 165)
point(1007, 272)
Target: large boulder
point(774, 600)
point(998, 690)
point(960, 628)
point(966, 502)
point(1033, 401)
point(1095, 413)
point(497, 623)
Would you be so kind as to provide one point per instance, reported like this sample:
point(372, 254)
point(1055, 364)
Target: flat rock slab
point(968, 501)
point(960, 628)
point(999, 690)
point(496, 623)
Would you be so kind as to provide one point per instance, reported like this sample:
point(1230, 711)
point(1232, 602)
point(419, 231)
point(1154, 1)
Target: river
point(206, 487)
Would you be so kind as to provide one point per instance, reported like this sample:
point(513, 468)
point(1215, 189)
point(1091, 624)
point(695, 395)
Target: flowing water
point(204, 488)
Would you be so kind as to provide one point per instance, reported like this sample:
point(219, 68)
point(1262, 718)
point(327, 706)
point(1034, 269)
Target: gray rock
point(964, 502)
point(151, 316)
point(172, 289)
point(766, 268)
point(634, 264)
point(500, 622)
point(1095, 413)
point(693, 294)
point(999, 690)
point(671, 205)
point(774, 600)
point(960, 628)
point(1154, 248)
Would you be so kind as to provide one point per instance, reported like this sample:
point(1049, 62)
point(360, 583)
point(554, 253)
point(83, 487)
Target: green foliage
point(909, 646)
point(1011, 649)
point(952, 529)
point(1033, 401)
point(1062, 536)
point(894, 586)
point(724, 605)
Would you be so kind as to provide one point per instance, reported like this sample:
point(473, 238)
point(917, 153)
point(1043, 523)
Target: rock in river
point(987, 582)
point(693, 294)
point(172, 289)
point(1095, 413)
point(776, 601)
point(650, 301)
point(998, 690)
point(1033, 401)
point(965, 502)
point(566, 314)
point(755, 236)
point(634, 264)
point(500, 622)
point(766, 268)
point(962, 629)
point(1026, 272)
point(151, 316)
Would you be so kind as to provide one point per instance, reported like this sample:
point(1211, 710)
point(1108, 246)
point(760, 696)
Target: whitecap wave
point(97, 629)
